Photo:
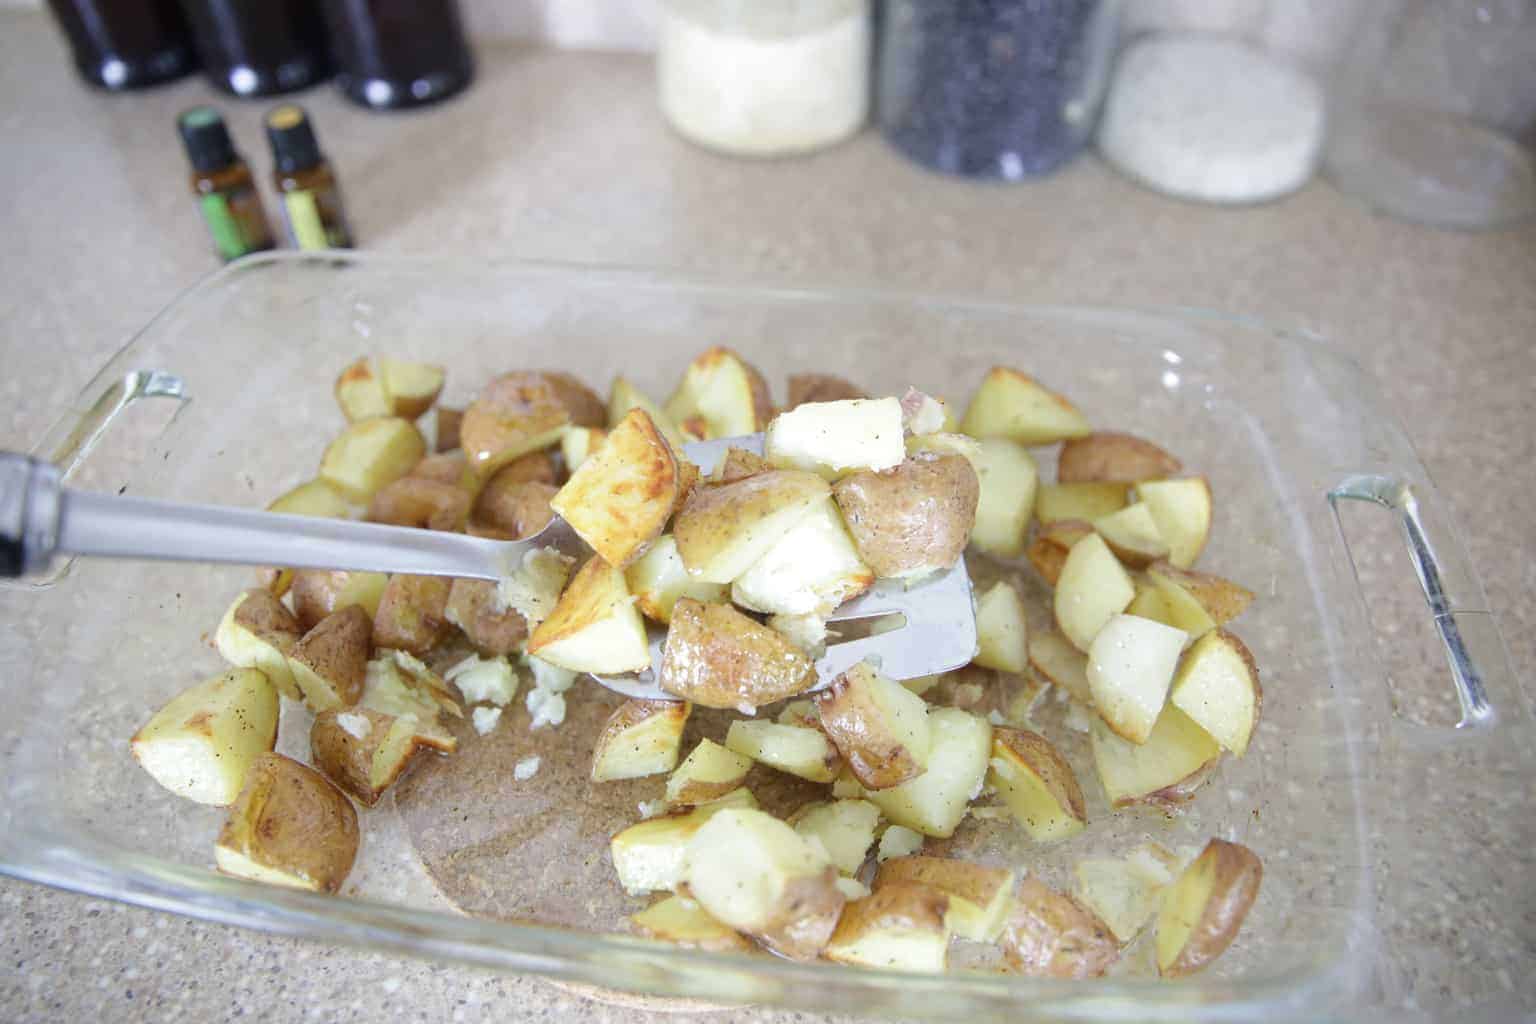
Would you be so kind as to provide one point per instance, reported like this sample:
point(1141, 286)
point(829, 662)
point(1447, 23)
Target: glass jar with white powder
point(751, 78)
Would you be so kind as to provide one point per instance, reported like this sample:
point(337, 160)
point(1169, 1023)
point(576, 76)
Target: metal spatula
point(40, 519)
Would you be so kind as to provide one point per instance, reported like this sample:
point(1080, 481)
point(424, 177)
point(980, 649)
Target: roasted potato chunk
point(1088, 501)
point(361, 750)
point(411, 387)
point(1001, 629)
point(412, 612)
point(625, 396)
point(1132, 535)
point(831, 438)
point(493, 628)
point(912, 520)
point(820, 387)
point(330, 662)
point(1176, 760)
point(739, 464)
point(708, 773)
point(720, 658)
point(658, 578)
point(1182, 510)
point(934, 802)
point(792, 749)
point(722, 530)
point(1217, 686)
point(844, 828)
point(1048, 551)
point(369, 454)
point(810, 571)
point(879, 726)
point(686, 924)
point(204, 742)
point(648, 856)
point(725, 393)
point(1051, 935)
point(517, 413)
point(359, 390)
point(979, 896)
point(1037, 783)
point(424, 504)
point(640, 738)
point(620, 499)
point(289, 827)
point(1016, 406)
point(1008, 479)
point(1092, 589)
point(320, 592)
point(447, 430)
point(899, 926)
point(512, 511)
point(1204, 909)
point(595, 627)
point(259, 632)
point(1112, 457)
point(447, 468)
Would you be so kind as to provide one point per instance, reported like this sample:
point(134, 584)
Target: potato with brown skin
point(474, 608)
point(595, 626)
point(820, 387)
point(621, 497)
point(879, 727)
point(1109, 456)
point(586, 408)
point(725, 528)
point(1222, 599)
point(447, 432)
point(900, 926)
point(1051, 935)
point(515, 414)
point(447, 468)
point(330, 662)
point(319, 592)
point(289, 827)
point(365, 765)
point(720, 658)
point(1037, 784)
point(412, 612)
point(911, 520)
point(739, 464)
point(512, 511)
point(640, 738)
point(258, 632)
point(721, 395)
point(1203, 910)
point(979, 896)
point(420, 503)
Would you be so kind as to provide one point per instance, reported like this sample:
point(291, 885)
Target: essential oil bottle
point(303, 177)
point(222, 182)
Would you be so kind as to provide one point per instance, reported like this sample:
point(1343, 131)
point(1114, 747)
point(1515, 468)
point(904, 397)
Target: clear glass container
point(226, 397)
point(1435, 112)
point(755, 79)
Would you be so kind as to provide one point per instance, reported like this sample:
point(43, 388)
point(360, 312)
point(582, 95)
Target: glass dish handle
point(1480, 667)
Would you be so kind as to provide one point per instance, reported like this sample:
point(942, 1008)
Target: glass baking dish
point(226, 397)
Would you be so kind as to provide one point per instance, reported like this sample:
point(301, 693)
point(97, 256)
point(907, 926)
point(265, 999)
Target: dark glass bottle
point(221, 180)
point(311, 196)
point(260, 47)
point(398, 53)
point(126, 44)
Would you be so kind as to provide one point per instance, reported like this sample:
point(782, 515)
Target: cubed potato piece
point(1055, 502)
point(329, 662)
point(424, 504)
point(1007, 479)
point(1182, 510)
point(1217, 686)
point(534, 587)
point(640, 738)
point(683, 922)
point(963, 445)
point(898, 841)
point(446, 432)
point(810, 571)
point(360, 391)
point(1053, 656)
point(490, 626)
point(754, 873)
point(832, 438)
point(1092, 589)
point(397, 685)
point(1112, 457)
point(515, 414)
point(738, 464)
point(648, 856)
point(620, 499)
point(708, 773)
point(844, 828)
point(658, 578)
point(579, 443)
point(900, 926)
point(369, 454)
point(724, 393)
point(1123, 892)
point(912, 520)
point(1016, 406)
point(1132, 535)
point(1171, 604)
point(625, 396)
point(258, 632)
point(722, 530)
point(318, 593)
point(820, 387)
point(412, 612)
point(1130, 668)
point(512, 509)
point(1051, 935)
point(289, 827)
point(538, 467)
point(595, 627)
point(447, 468)
point(1001, 630)
point(935, 801)
point(1037, 784)
point(203, 743)
point(979, 896)
point(879, 726)
point(1176, 760)
point(1219, 599)
point(361, 750)
point(792, 749)
point(1204, 909)
point(312, 498)
point(1048, 551)
point(717, 657)
point(411, 387)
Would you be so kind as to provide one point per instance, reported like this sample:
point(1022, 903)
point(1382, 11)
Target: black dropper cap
point(293, 140)
point(207, 139)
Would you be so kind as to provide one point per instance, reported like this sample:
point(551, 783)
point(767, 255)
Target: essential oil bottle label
point(228, 239)
point(304, 222)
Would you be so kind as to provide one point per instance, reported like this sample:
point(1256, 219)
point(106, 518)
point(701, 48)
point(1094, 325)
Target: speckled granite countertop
point(563, 156)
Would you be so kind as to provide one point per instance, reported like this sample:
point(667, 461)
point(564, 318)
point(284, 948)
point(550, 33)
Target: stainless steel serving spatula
point(41, 519)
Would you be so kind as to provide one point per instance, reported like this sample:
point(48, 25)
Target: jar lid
point(293, 140)
point(206, 139)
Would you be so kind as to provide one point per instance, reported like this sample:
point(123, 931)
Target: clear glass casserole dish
point(226, 397)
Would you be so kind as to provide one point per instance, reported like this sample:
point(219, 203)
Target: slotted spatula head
point(938, 633)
